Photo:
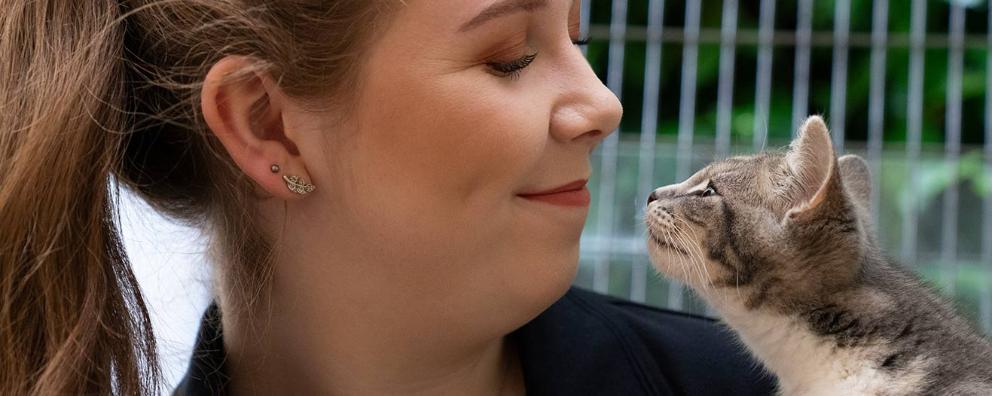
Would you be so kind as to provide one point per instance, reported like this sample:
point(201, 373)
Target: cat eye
point(709, 191)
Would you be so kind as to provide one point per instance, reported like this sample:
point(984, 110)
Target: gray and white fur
point(781, 245)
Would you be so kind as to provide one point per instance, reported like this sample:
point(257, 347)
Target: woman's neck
point(299, 354)
point(343, 314)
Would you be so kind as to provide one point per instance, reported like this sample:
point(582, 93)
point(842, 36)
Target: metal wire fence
point(932, 192)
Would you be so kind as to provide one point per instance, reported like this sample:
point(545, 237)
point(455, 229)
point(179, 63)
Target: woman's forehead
point(462, 16)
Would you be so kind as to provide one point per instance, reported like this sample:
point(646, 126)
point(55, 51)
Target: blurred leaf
point(982, 182)
point(937, 176)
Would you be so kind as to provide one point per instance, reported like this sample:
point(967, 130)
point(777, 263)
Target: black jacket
point(584, 344)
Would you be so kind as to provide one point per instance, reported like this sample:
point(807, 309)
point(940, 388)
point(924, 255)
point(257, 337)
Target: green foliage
point(937, 175)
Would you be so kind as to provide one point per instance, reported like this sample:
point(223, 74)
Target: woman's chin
point(546, 285)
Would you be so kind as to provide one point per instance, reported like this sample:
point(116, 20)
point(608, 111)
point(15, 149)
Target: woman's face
point(464, 106)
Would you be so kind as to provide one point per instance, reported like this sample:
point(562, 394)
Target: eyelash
point(513, 68)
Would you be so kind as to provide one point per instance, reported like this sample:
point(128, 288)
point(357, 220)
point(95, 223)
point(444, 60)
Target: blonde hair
point(101, 90)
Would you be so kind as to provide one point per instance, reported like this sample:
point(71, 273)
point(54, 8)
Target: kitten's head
point(773, 228)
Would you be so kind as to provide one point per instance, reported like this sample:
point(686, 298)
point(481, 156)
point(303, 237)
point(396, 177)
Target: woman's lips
point(571, 194)
point(565, 198)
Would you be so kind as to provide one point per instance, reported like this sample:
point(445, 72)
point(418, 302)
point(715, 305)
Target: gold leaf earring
point(294, 183)
point(298, 185)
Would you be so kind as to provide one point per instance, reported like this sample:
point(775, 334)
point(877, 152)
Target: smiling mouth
point(661, 243)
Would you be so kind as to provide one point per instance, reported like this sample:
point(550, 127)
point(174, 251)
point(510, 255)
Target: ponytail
point(72, 319)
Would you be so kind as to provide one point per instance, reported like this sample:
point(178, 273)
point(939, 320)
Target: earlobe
point(244, 109)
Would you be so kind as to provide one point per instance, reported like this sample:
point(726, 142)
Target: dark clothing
point(584, 344)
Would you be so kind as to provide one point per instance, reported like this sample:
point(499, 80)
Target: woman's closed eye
point(512, 69)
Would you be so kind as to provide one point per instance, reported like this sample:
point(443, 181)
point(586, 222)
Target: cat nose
point(652, 197)
point(664, 191)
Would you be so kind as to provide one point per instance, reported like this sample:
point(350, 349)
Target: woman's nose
point(586, 108)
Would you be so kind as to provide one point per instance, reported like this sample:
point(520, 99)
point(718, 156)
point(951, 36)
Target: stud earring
point(275, 168)
point(298, 185)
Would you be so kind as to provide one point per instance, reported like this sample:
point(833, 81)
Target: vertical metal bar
point(838, 80)
point(876, 105)
point(586, 8)
point(649, 129)
point(766, 32)
point(687, 111)
point(952, 148)
point(800, 88)
point(725, 88)
point(687, 102)
point(914, 124)
point(608, 169)
point(985, 307)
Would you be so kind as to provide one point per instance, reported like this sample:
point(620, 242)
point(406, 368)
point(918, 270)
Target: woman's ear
point(244, 108)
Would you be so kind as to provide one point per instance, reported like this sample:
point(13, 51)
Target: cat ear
point(810, 161)
point(857, 179)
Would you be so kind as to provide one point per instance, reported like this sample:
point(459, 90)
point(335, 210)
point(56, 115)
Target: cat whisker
point(697, 255)
point(737, 285)
point(700, 256)
point(668, 241)
point(679, 235)
point(686, 257)
point(668, 237)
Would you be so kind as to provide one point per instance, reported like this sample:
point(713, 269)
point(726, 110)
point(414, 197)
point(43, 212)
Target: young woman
point(394, 191)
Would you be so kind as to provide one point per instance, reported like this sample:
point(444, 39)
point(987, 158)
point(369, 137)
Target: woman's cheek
point(482, 136)
point(456, 143)
point(503, 148)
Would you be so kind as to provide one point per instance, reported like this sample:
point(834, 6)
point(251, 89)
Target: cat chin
point(661, 244)
point(668, 262)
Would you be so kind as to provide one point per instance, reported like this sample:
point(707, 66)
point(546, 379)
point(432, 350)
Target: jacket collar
point(576, 346)
point(580, 345)
point(207, 372)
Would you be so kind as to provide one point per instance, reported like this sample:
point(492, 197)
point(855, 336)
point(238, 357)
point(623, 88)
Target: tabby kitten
point(781, 246)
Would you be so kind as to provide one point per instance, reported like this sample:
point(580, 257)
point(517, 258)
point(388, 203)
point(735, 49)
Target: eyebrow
point(501, 9)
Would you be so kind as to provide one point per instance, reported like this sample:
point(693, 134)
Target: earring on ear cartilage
point(298, 185)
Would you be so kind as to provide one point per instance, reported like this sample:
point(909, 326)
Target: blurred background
point(905, 84)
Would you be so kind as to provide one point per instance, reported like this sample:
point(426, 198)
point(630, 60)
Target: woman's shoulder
point(607, 345)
